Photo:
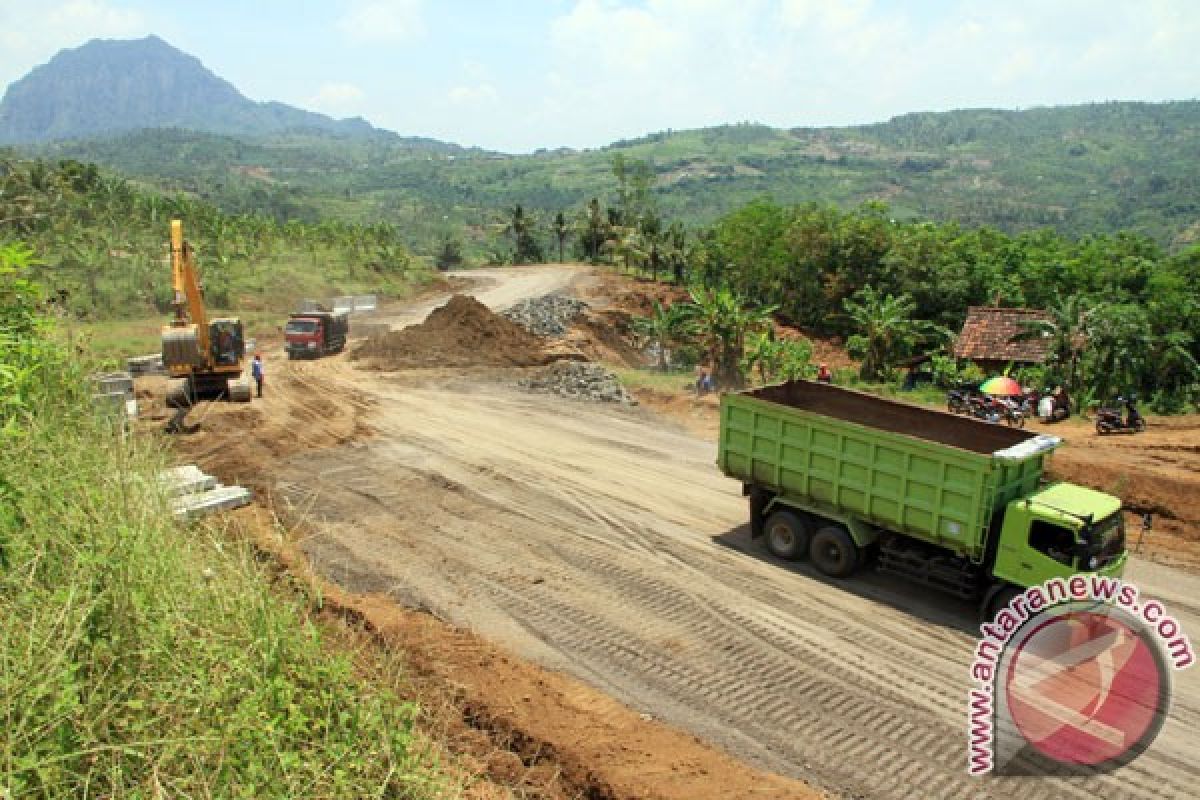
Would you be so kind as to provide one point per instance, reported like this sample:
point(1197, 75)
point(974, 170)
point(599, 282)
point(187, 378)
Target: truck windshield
point(1106, 539)
point(300, 326)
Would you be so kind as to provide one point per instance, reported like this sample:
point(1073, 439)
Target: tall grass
point(143, 658)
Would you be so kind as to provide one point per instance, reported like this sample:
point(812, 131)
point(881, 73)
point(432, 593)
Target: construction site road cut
point(601, 540)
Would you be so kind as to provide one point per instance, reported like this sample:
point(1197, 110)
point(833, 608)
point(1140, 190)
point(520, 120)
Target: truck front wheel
point(787, 535)
point(833, 552)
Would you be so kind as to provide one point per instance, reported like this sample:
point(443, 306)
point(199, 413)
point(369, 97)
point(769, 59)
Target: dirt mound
point(462, 333)
point(605, 336)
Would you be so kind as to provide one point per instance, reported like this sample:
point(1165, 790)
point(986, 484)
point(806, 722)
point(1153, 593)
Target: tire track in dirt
point(601, 560)
point(605, 544)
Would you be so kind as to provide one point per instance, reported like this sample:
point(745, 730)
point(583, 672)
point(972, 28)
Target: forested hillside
point(101, 245)
point(1079, 169)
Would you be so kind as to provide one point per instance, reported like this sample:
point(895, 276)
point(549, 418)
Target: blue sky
point(522, 75)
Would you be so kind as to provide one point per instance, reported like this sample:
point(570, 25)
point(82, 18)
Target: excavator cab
point(204, 357)
point(228, 343)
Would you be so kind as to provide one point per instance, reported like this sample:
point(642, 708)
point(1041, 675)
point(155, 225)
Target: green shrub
point(142, 657)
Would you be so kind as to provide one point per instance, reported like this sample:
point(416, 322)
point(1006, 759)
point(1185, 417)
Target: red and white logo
point(1085, 688)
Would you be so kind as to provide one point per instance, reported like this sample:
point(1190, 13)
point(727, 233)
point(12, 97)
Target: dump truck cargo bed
point(924, 473)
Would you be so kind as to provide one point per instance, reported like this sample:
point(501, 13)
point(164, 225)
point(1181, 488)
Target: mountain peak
point(107, 86)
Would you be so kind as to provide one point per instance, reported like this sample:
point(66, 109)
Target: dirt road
point(604, 542)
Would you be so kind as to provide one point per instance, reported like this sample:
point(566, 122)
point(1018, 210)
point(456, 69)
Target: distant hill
point(111, 86)
point(1078, 169)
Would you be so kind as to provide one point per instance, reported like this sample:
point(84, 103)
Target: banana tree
point(663, 329)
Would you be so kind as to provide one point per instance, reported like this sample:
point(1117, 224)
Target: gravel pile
point(580, 380)
point(549, 315)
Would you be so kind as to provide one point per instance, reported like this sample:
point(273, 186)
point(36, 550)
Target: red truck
point(312, 334)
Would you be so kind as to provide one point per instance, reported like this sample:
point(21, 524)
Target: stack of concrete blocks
point(193, 492)
point(361, 303)
point(146, 365)
point(114, 391)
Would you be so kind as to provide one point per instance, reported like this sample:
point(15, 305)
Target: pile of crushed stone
point(462, 333)
point(583, 381)
point(548, 315)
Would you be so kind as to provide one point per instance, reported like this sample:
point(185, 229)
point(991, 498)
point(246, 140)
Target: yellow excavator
point(204, 358)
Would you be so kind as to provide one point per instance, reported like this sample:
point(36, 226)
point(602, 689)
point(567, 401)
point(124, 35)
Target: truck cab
point(313, 334)
point(304, 336)
point(1059, 531)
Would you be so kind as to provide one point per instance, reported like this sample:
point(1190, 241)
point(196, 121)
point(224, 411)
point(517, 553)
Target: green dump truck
point(841, 477)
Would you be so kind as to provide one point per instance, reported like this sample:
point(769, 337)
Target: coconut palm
point(561, 231)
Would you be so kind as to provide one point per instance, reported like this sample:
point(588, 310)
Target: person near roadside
point(823, 374)
point(1062, 405)
point(256, 371)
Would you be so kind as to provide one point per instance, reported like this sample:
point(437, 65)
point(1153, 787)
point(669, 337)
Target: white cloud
point(480, 94)
point(831, 15)
point(384, 21)
point(31, 33)
point(337, 98)
point(94, 15)
point(620, 68)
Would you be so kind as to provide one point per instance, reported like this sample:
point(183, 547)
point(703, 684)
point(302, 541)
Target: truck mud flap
point(759, 500)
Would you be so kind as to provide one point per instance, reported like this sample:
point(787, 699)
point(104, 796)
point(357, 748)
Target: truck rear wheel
point(833, 552)
point(996, 601)
point(787, 535)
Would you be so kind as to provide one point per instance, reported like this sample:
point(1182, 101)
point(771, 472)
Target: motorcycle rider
point(1132, 416)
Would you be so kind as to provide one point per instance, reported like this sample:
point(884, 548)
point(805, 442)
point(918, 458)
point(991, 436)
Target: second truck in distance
point(840, 476)
point(312, 334)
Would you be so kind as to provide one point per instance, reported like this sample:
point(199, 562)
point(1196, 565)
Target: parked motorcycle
point(1014, 412)
point(1109, 420)
point(958, 401)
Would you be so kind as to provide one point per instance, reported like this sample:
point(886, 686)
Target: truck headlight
point(312, 345)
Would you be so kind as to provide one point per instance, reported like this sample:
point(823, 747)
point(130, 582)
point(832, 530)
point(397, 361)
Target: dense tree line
point(1130, 308)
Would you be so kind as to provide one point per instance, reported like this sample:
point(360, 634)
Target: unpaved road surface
point(603, 542)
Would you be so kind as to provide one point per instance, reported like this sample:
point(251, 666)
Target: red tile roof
point(990, 334)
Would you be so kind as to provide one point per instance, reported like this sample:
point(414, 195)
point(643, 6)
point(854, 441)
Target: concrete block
point(110, 382)
point(188, 479)
point(146, 365)
point(221, 498)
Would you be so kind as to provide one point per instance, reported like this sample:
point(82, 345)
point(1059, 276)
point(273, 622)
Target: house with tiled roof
point(995, 337)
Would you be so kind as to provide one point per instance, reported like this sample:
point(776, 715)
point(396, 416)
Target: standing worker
point(824, 375)
point(256, 370)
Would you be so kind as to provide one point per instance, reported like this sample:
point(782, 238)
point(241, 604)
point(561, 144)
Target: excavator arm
point(189, 302)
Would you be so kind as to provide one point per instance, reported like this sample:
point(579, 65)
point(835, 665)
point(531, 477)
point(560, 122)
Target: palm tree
point(665, 327)
point(561, 229)
point(1065, 328)
point(520, 225)
point(887, 330)
point(723, 321)
point(594, 230)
